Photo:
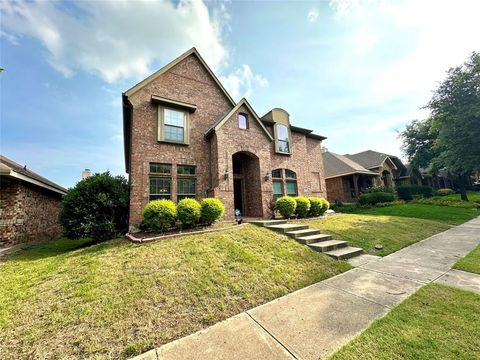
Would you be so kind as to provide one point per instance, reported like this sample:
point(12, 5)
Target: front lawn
point(445, 214)
point(472, 196)
point(437, 322)
point(471, 262)
point(70, 299)
point(366, 231)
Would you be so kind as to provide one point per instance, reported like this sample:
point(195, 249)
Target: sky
point(354, 71)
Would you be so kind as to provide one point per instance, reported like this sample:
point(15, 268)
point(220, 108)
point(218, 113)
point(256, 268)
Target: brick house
point(347, 175)
point(184, 136)
point(29, 205)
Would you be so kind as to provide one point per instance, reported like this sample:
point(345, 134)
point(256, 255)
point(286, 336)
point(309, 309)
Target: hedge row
point(301, 206)
point(408, 192)
point(159, 215)
point(373, 198)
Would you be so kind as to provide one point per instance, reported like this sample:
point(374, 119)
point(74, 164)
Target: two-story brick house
point(185, 136)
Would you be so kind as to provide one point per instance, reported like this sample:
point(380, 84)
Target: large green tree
point(450, 138)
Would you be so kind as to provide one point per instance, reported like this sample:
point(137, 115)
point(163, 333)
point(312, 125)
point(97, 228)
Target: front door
point(238, 194)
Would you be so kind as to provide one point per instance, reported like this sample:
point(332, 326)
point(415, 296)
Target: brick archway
point(247, 187)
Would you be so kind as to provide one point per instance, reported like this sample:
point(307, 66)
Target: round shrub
point(325, 205)
point(211, 210)
point(375, 197)
point(444, 192)
point(159, 215)
point(96, 207)
point(303, 206)
point(188, 212)
point(316, 206)
point(286, 206)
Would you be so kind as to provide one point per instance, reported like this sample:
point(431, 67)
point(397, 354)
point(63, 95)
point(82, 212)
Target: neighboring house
point(29, 205)
point(185, 136)
point(348, 175)
point(441, 180)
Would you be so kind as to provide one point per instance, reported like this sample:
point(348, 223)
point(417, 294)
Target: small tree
point(96, 207)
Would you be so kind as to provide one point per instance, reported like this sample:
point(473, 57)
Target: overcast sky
point(354, 71)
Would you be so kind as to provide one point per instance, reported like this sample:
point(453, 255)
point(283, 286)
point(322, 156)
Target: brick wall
point(338, 189)
point(27, 213)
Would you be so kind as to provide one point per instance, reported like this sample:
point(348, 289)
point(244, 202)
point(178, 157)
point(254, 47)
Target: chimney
point(86, 173)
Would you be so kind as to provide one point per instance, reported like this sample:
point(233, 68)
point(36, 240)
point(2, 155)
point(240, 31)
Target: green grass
point(471, 262)
point(437, 322)
point(64, 299)
point(444, 214)
point(472, 196)
point(366, 231)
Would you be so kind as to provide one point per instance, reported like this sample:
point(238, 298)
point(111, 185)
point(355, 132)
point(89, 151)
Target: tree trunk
point(463, 188)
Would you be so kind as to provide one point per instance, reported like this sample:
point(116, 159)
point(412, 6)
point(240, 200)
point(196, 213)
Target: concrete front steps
point(336, 249)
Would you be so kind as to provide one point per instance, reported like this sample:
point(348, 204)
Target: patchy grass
point(471, 262)
point(445, 214)
point(116, 299)
point(366, 231)
point(437, 322)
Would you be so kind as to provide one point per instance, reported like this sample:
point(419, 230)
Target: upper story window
point(242, 121)
point(282, 139)
point(172, 125)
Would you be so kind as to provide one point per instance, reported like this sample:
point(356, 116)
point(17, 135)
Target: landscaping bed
point(117, 299)
point(437, 322)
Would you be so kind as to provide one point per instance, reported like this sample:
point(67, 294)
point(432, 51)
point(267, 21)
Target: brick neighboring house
point(347, 175)
point(29, 205)
point(184, 136)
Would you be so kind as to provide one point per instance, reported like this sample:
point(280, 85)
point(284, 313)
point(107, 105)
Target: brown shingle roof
point(9, 165)
point(338, 165)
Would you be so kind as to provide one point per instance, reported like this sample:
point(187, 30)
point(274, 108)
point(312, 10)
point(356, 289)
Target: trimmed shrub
point(378, 189)
point(325, 205)
point(444, 192)
point(407, 192)
point(96, 207)
point(303, 206)
point(315, 206)
point(159, 215)
point(188, 212)
point(375, 197)
point(286, 206)
point(211, 210)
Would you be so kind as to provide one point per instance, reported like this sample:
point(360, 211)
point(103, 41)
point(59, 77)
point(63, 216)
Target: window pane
point(277, 188)
point(289, 174)
point(160, 186)
point(283, 146)
point(242, 121)
point(277, 173)
point(282, 132)
point(186, 187)
point(186, 170)
point(173, 117)
point(291, 188)
point(173, 133)
point(160, 168)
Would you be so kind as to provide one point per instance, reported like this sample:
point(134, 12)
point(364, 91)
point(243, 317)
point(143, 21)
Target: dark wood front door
point(238, 195)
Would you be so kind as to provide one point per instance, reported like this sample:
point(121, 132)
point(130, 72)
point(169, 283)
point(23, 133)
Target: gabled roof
point(335, 165)
point(370, 159)
point(12, 169)
point(219, 123)
point(155, 75)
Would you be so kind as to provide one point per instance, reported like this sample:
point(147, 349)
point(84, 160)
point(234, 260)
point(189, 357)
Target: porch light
point(225, 174)
point(267, 176)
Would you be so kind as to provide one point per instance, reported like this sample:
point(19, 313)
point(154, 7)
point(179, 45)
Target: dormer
point(280, 120)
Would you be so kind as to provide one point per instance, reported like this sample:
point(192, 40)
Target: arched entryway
point(386, 177)
point(247, 187)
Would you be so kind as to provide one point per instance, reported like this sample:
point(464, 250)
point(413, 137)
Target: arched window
point(242, 121)
point(283, 139)
point(284, 182)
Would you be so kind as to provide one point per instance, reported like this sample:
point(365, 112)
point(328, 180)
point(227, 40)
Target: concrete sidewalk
point(313, 322)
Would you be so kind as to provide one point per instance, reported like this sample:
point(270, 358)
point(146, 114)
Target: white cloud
point(312, 15)
point(243, 81)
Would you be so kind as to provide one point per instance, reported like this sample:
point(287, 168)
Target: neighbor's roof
point(335, 165)
point(370, 159)
point(12, 169)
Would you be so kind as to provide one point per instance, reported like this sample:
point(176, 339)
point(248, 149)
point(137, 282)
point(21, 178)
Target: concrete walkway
point(313, 322)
